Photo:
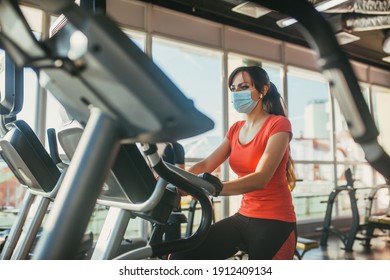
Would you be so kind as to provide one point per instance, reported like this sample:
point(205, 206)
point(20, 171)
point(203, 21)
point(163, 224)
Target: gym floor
point(379, 250)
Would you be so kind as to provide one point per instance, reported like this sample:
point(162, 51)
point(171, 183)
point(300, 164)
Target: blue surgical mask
point(243, 102)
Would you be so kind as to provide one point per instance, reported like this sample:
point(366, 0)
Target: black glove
point(217, 184)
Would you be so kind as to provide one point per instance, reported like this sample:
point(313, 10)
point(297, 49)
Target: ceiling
point(367, 19)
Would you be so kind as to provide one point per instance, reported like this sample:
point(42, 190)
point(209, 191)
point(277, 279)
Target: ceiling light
point(346, 38)
point(251, 9)
point(323, 6)
point(286, 22)
point(386, 59)
point(326, 5)
point(386, 43)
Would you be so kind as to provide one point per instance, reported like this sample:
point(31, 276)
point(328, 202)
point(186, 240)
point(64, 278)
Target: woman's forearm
point(244, 184)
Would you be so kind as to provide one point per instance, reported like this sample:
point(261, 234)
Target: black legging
point(262, 239)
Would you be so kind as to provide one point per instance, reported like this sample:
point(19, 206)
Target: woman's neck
point(256, 117)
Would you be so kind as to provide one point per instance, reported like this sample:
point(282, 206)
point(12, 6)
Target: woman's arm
point(211, 162)
point(268, 163)
point(215, 159)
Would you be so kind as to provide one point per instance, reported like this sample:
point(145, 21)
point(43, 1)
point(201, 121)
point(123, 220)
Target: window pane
point(310, 115)
point(11, 196)
point(366, 94)
point(347, 148)
point(197, 72)
point(11, 192)
point(309, 110)
point(53, 116)
point(137, 37)
point(2, 73)
point(29, 110)
point(381, 105)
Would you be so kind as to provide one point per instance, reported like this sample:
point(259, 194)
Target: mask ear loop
point(263, 94)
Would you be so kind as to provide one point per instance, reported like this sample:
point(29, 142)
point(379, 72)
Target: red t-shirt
point(274, 201)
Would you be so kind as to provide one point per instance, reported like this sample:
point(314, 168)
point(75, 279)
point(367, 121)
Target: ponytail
point(273, 104)
point(290, 174)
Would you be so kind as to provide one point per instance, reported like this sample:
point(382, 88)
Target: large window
point(381, 112)
point(381, 105)
point(323, 148)
point(197, 72)
point(349, 154)
point(2, 72)
point(30, 98)
point(310, 113)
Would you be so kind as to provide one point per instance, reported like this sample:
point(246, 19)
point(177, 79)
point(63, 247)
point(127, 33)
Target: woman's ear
point(265, 90)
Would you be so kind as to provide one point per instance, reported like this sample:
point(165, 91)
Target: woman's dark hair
point(272, 103)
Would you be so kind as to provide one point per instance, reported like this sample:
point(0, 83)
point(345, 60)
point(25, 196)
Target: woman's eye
point(244, 87)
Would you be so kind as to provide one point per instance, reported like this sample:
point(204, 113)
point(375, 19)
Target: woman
point(258, 152)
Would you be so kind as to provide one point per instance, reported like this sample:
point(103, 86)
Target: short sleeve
point(281, 124)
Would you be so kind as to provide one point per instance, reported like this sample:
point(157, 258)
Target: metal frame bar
point(17, 227)
point(31, 228)
point(111, 235)
point(80, 189)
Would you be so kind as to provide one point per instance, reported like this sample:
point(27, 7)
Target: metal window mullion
point(225, 116)
point(41, 105)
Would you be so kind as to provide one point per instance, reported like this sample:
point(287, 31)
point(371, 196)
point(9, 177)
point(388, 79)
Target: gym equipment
point(349, 238)
point(113, 90)
point(174, 154)
point(30, 163)
point(375, 221)
point(28, 160)
point(35, 169)
point(130, 190)
point(3, 237)
point(207, 185)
